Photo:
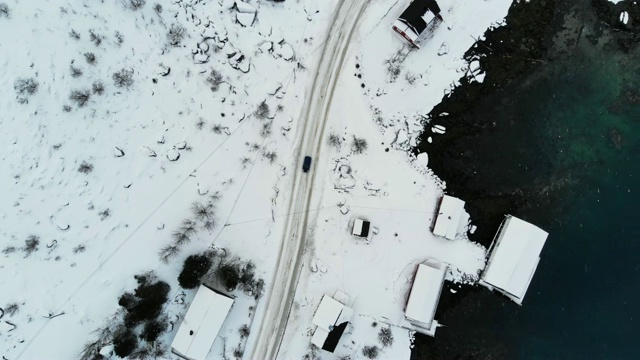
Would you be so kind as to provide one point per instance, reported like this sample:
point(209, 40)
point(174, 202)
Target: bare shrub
point(214, 79)
point(200, 124)
point(26, 87)
point(9, 250)
point(169, 252)
point(136, 4)
point(76, 72)
point(176, 34)
point(202, 211)
point(271, 156)
point(385, 336)
point(217, 129)
point(11, 309)
point(66, 108)
point(95, 38)
point(79, 249)
point(266, 129)
point(262, 112)
point(371, 352)
point(104, 214)
point(90, 57)
point(31, 244)
point(74, 34)
point(244, 331)
point(80, 97)
point(189, 227)
point(85, 167)
point(97, 87)
point(245, 161)
point(119, 38)
point(123, 78)
point(4, 10)
point(157, 8)
point(335, 140)
point(358, 146)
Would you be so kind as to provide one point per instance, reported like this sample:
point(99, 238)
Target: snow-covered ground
point(100, 187)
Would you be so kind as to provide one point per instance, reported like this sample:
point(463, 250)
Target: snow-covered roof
point(425, 293)
point(201, 324)
point(514, 257)
point(328, 313)
point(448, 219)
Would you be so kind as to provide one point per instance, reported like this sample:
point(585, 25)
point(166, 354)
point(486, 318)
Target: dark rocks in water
point(616, 137)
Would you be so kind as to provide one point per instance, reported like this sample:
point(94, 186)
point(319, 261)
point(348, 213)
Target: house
point(424, 296)
point(331, 319)
point(201, 324)
point(448, 219)
point(515, 253)
point(418, 21)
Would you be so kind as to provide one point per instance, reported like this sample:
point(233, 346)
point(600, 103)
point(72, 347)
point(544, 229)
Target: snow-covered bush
point(119, 38)
point(95, 38)
point(26, 87)
point(90, 57)
point(124, 342)
point(4, 10)
point(176, 34)
point(31, 244)
point(11, 309)
point(169, 252)
point(385, 336)
point(244, 331)
point(80, 97)
point(271, 156)
point(123, 78)
point(371, 352)
point(358, 146)
point(262, 112)
point(229, 275)
point(194, 268)
point(136, 4)
point(335, 140)
point(85, 167)
point(157, 8)
point(76, 72)
point(214, 79)
point(74, 34)
point(97, 87)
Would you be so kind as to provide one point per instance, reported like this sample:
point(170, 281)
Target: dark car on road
point(306, 165)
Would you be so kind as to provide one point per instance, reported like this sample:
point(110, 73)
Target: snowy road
point(313, 119)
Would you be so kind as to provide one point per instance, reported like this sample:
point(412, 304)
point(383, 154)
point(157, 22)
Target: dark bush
point(262, 112)
point(85, 167)
point(136, 4)
point(370, 352)
point(358, 146)
point(76, 72)
point(229, 275)
point(158, 8)
point(95, 38)
point(123, 78)
point(80, 97)
point(214, 79)
point(152, 329)
point(90, 57)
point(150, 297)
point(127, 301)
point(74, 34)
point(31, 244)
point(385, 336)
point(124, 343)
point(168, 252)
point(195, 266)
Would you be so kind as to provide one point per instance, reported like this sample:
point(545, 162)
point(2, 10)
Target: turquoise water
point(582, 301)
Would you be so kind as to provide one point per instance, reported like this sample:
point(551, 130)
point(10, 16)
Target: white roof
point(328, 313)
point(515, 257)
point(425, 293)
point(448, 219)
point(357, 227)
point(319, 337)
point(201, 324)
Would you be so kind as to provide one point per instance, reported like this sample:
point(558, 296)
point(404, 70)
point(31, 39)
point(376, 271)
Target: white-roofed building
point(425, 294)
point(201, 324)
point(448, 219)
point(331, 319)
point(515, 254)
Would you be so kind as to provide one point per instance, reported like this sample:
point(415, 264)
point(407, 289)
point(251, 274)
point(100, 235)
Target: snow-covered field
point(94, 185)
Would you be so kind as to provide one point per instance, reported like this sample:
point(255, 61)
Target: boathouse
point(515, 254)
point(448, 218)
point(425, 295)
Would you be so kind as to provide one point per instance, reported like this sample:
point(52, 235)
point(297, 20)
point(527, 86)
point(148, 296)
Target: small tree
point(262, 112)
point(358, 146)
point(169, 252)
point(80, 97)
point(124, 343)
point(385, 336)
point(90, 57)
point(194, 268)
point(76, 72)
point(25, 87)
point(229, 275)
point(74, 34)
point(123, 78)
point(370, 352)
point(95, 38)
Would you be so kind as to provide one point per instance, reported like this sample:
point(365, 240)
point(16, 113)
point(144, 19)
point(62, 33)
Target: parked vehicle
point(306, 165)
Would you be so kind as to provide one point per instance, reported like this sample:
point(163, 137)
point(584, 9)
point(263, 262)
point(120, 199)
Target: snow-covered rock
point(246, 13)
point(284, 50)
point(117, 152)
point(173, 155)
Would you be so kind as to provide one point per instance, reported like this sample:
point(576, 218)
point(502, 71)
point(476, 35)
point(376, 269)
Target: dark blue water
point(566, 145)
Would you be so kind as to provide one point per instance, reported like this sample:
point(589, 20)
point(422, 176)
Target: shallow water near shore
point(567, 140)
